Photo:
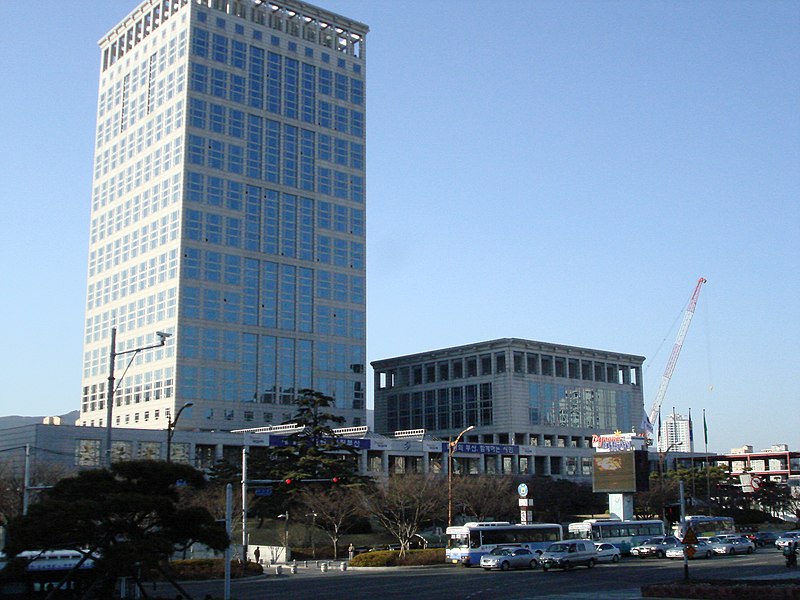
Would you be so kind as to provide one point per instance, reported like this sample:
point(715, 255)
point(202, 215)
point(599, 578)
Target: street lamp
point(451, 447)
point(285, 535)
point(313, 516)
point(111, 389)
point(171, 428)
point(661, 456)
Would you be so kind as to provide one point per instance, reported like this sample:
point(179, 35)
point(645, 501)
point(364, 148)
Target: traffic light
point(288, 481)
point(672, 513)
point(336, 479)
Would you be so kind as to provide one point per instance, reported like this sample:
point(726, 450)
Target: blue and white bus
point(467, 543)
point(622, 534)
point(705, 526)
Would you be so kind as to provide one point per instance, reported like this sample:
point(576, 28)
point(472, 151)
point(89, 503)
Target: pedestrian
point(351, 551)
point(257, 554)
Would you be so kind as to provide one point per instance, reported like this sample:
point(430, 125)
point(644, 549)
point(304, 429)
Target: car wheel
point(615, 558)
point(709, 554)
point(533, 564)
point(545, 568)
point(660, 554)
point(749, 550)
point(731, 551)
point(567, 566)
point(590, 564)
point(504, 566)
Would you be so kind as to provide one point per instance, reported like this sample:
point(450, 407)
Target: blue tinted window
point(237, 88)
point(219, 48)
point(234, 196)
point(274, 67)
point(325, 82)
point(236, 123)
point(255, 74)
point(199, 78)
point(238, 54)
point(219, 83)
point(197, 113)
point(217, 119)
point(196, 149)
point(235, 159)
point(215, 185)
point(200, 43)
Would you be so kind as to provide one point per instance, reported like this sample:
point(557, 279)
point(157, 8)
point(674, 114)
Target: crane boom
point(676, 350)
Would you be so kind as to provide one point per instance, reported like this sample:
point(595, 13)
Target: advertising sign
point(613, 472)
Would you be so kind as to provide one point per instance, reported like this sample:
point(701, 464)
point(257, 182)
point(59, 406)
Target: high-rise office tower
point(228, 210)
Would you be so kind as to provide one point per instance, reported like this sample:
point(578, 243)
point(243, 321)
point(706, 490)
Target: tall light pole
point(661, 456)
point(451, 447)
point(285, 536)
point(171, 428)
point(111, 389)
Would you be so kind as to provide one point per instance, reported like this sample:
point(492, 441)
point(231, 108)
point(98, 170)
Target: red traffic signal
point(288, 481)
point(336, 480)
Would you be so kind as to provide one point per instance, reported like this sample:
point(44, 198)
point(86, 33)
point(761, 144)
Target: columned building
point(227, 210)
point(529, 397)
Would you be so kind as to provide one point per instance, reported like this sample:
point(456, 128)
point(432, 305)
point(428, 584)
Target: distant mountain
point(16, 421)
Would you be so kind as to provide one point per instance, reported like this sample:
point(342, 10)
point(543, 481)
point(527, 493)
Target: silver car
point(790, 537)
point(509, 557)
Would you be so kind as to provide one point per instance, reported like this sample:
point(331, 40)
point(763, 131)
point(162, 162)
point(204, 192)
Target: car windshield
point(657, 540)
point(558, 548)
point(500, 551)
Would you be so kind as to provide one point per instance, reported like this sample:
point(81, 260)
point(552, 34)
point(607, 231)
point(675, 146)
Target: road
point(614, 582)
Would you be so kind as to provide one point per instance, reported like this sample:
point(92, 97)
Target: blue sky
point(556, 171)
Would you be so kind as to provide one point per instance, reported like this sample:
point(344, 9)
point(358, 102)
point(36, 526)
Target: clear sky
point(556, 171)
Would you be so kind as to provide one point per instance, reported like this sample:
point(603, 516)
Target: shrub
point(392, 558)
point(212, 568)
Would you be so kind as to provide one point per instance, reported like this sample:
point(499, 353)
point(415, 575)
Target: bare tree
point(403, 504)
point(334, 510)
point(486, 498)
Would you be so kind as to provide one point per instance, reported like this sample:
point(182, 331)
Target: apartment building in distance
point(227, 210)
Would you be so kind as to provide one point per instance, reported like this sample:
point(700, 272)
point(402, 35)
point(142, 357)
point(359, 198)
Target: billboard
point(613, 472)
point(620, 472)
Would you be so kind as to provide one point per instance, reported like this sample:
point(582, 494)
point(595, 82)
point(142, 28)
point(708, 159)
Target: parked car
point(702, 549)
point(509, 557)
point(607, 552)
point(787, 538)
point(731, 545)
point(568, 554)
point(656, 546)
point(763, 538)
point(742, 545)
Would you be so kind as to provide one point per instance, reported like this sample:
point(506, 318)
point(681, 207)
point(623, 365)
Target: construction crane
point(676, 350)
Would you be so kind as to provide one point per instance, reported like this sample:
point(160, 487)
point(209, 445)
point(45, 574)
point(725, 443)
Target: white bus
point(467, 543)
point(622, 534)
point(705, 526)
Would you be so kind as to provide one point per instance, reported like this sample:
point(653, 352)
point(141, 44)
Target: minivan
point(568, 554)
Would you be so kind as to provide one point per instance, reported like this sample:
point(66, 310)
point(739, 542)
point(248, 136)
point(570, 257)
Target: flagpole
point(708, 476)
point(691, 450)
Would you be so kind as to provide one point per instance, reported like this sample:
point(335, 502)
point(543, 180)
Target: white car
point(789, 537)
point(722, 545)
point(509, 557)
point(607, 553)
point(702, 549)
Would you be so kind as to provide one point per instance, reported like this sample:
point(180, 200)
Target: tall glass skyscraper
point(228, 209)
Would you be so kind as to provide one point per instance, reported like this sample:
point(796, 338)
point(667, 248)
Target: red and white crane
point(676, 350)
